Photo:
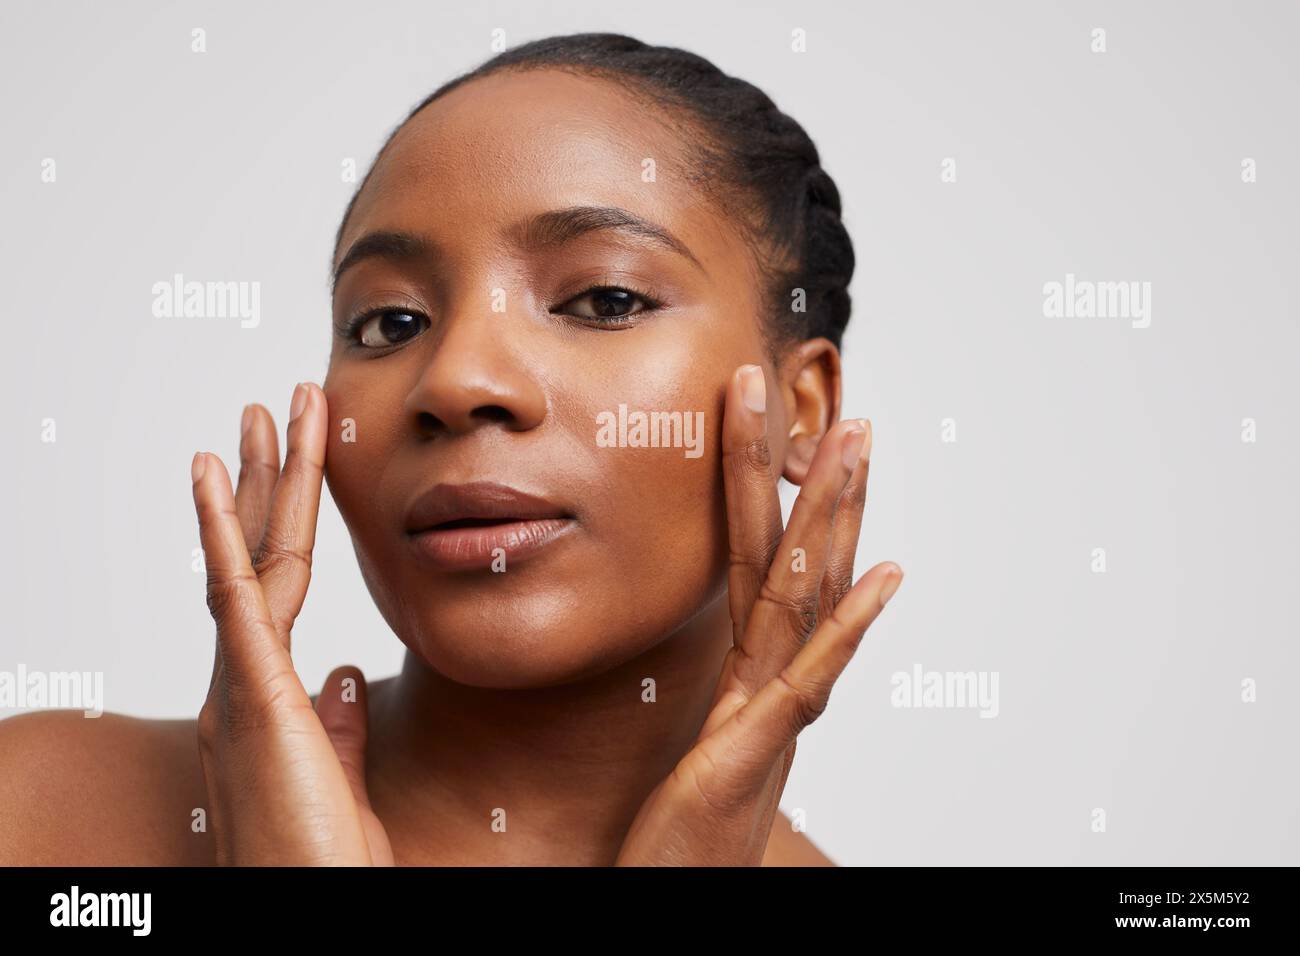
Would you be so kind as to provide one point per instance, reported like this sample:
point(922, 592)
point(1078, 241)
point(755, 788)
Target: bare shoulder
point(100, 791)
point(121, 791)
point(788, 847)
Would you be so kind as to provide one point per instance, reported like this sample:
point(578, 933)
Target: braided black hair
point(791, 206)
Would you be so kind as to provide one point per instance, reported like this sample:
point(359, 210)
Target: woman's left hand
point(797, 619)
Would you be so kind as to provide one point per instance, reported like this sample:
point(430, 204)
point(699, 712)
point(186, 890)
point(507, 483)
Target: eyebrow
point(563, 225)
point(545, 229)
point(399, 246)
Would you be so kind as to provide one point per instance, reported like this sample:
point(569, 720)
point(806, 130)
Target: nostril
point(431, 424)
point(493, 413)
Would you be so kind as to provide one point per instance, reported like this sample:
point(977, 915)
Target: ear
point(810, 387)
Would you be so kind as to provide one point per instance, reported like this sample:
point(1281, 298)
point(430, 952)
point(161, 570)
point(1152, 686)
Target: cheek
point(347, 421)
point(656, 432)
point(359, 444)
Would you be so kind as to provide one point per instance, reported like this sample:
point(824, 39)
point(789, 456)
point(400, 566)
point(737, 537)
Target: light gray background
point(1118, 690)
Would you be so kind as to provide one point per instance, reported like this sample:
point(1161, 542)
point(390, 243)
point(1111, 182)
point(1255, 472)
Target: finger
point(246, 636)
point(749, 483)
point(785, 614)
point(341, 708)
point(259, 467)
point(800, 693)
point(838, 577)
point(283, 558)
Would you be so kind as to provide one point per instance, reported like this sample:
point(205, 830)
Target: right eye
point(387, 327)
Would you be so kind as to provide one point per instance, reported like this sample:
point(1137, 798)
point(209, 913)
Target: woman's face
point(486, 370)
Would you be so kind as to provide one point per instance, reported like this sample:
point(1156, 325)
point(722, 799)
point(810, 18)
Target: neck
point(563, 770)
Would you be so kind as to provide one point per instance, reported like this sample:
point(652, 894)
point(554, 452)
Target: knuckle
point(276, 697)
point(298, 464)
point(849, 637)
point(276, 550)
point(254, 470)
point(806, 623)
point(752, 556)
point(758, 454)
point(806, 705)
point(834, 587)
point(822, 505)
point(854, 627)
point(854, 496)
point(752, 455)
point(801, 612)
point(689, 775)
point(225, 595)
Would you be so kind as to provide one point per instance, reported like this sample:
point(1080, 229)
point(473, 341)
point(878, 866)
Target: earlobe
point(798, 457)
point(810, 384)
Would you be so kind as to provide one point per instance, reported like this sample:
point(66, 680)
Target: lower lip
point(468, 549)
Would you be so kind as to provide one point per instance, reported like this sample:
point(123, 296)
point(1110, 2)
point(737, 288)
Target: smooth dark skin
point(521, 690)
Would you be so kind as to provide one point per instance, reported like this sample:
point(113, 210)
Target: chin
point(511, 636)
point(516, 646)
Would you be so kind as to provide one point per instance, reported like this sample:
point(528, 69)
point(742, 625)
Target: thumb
point(341, 708)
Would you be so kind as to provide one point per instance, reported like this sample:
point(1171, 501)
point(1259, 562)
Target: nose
point(477, 376)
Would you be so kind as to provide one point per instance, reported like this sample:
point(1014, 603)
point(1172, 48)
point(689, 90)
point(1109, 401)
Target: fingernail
point(198, 466)
point(299, 401)
point(246, 422)
point(892, 581)
point(852, 447)
point(866, 445)
point(754, 389)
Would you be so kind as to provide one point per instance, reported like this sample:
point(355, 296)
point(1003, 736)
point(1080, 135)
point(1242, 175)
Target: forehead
point(509, 145)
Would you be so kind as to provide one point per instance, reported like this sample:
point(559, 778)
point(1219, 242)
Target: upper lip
point(480, 499)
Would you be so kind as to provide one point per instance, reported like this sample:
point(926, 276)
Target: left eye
point(605, 303)
point(389, 327)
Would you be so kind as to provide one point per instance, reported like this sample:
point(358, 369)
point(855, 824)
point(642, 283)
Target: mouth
point(483, 525)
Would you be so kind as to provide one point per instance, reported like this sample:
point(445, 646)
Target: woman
point(587, 309)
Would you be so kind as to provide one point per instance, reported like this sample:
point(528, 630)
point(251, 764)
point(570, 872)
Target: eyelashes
point(364, 329)
point(611, 306)
point(608, 298)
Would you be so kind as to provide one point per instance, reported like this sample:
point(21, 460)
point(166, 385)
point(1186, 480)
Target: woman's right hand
point(286, 780)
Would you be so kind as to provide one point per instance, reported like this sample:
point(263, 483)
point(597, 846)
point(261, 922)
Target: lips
point(482, 524)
